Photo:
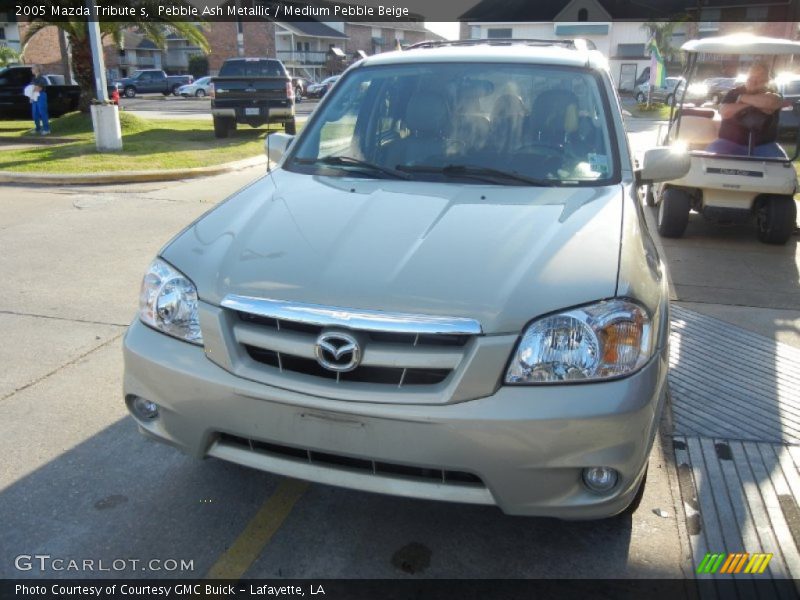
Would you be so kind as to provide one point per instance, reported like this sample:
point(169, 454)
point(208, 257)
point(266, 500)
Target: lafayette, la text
point(143, 590)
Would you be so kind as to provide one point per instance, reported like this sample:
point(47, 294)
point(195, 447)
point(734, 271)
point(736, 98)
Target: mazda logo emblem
point(337, 351)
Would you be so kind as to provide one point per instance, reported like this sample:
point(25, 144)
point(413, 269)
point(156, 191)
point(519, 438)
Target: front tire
point(640, 98)
point(673, 212)
point(175, 90)
point(130, 92)
point(200, 93)
point(776, 217)
point(637, 499)
point(290, 127)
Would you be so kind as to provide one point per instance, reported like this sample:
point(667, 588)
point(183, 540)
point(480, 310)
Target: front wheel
point(200, 93)
point(640, 98)
point(130, 92)
point(175, 90)
point(290, 127)
point(673, 212)
point(777, 218)
point(637, 499)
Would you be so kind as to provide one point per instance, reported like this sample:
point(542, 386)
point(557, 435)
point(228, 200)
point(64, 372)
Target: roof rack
point(575, 44)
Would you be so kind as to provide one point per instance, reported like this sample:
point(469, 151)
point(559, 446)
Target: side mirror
point(275, 146)
point(663, 164)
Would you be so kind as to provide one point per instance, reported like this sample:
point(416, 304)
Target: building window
point(757, 13)
point(474, 32)
point(630, 51)
point(2, 33)
point(498, 33)
point(583, 15)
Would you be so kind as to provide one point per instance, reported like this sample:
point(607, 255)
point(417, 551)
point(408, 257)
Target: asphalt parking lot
point(79, 482)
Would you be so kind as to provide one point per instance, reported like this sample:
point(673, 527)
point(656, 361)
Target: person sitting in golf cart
point(750, 110)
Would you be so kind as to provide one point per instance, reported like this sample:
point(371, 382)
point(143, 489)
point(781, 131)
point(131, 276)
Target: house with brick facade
point(616, 28)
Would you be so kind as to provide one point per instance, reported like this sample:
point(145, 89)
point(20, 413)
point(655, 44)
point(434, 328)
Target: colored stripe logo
point(739, 562)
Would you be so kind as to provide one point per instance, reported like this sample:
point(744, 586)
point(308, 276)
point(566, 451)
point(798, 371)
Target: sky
point(447, 29)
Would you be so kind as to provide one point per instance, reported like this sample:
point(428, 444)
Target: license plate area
point(250, 112)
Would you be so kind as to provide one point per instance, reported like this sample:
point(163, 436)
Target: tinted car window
point(252, 68)
point(15, 77)
point(538, 121)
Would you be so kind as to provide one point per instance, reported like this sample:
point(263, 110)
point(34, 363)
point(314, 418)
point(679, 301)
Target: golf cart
point(724, 188)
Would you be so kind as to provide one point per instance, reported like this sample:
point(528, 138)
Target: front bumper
point(528, 445)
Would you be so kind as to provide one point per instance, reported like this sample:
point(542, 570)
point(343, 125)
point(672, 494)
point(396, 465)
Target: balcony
point(296, 58)
point(13, 44)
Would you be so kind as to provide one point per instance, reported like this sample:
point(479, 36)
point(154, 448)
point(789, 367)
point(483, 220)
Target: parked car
point(256, 91)
point(671, 92)
point(152, 81)
point(318, 90)
point(14, 104)
point(718, 87)
point(789, 87)
point(426, 301)
point(300, 85)
point(198, 88)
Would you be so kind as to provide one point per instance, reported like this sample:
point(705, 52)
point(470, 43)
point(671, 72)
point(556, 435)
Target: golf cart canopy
point(742, 43)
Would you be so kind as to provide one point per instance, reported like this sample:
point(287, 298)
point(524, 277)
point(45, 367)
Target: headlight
point(168, 302)
point(603, 340)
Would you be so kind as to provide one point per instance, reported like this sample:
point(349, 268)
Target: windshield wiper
point(349, 161)
point(483, 173)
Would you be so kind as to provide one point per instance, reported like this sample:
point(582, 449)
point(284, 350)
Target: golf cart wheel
point(649, 198)
point(290, 127)
point(130, 92)
point(223, 127)
point(673, 212)
point(200, 93)
point(640, 98)
point(776, 217)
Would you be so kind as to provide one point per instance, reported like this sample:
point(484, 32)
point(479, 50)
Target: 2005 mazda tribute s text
point(445, 289)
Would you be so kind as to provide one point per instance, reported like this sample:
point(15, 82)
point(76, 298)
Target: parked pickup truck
point(152, 82)
point(256, 91)
point(14, 104)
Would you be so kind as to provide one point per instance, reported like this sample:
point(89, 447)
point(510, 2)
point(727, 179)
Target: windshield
point(533, 124)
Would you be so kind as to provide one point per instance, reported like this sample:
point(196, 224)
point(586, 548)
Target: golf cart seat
point(699, 127)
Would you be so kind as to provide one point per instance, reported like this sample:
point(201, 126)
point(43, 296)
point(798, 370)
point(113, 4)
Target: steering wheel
point(752, 118)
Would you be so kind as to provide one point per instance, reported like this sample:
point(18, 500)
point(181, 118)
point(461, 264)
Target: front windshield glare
point(475, 123)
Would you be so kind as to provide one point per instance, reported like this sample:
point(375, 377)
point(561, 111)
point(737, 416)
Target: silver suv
point(445, 290)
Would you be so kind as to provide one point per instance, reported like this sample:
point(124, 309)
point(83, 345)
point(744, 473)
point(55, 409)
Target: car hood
point(498, 254)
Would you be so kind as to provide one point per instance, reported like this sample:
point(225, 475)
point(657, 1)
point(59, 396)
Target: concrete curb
point(129, 176)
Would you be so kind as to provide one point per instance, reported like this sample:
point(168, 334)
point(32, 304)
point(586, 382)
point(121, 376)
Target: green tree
point(663, 30)
point(152, 26)
point(198, 65)
point(8, 56)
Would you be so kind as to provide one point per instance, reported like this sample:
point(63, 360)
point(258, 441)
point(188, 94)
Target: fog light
point(144, 409)
point(600, 480)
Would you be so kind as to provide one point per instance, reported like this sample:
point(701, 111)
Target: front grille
point(264, 339)
point(410, 339)
point(362, 374)
point(354, 464)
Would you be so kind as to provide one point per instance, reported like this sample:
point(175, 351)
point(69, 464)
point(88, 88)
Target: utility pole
point(105, 116)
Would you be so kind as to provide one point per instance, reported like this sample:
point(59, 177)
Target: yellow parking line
point(243, 552)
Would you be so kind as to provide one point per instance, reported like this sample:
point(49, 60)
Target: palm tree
point(153, 27)
point(662, 31)
point(8, 56)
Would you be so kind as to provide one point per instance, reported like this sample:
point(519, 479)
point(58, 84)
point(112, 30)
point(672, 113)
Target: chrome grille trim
point(364, 320)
